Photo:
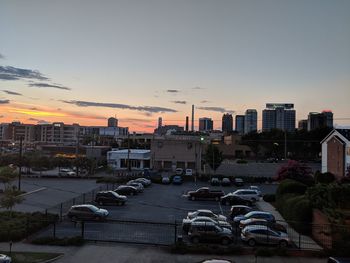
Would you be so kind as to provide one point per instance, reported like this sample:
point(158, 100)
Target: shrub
point(324, 178)
point(297, 171)
point(263, 252)
point(242, 161)
point(269, 198)
point(290, 186)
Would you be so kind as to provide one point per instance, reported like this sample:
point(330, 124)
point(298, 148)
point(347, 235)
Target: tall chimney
point(186, 124)
point(192, 124)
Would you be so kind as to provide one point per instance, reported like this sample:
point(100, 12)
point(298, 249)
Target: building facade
point(121, 159)
point(319, 120)
point(250, 121)
point(278, 116)
point(302, 125)
point(239, 124)
point(205, 124)
point(227, 123)
point(171, 152)
point(336, 153)
point(112, 122)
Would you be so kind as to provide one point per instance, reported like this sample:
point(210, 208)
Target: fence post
point(92, 195)
point(27, 227)
point(61, 211)
point(175, 233)
point(54, 229)
point(299, 241)
point(82, 229)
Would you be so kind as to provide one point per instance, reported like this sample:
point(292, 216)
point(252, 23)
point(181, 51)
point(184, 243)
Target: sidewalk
point(123, 253)
point(305, 241)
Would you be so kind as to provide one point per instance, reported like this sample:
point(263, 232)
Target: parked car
point(262, 222)
point(215, 181)
point(257, 189)
point(139, 187)
point(264, 235)
point(247, 194)
point(338, 260)
point(209, 232)
point(165, 180)
point(66, 172)
point(186, 222)
point(238, 182)
point(126, 190)
point(207, 213)
point(110, 197)
point(225, 181)
point(5, 259)
point(237, 210)
point(87, 212)
point(231, 199)
point(188, 172)
point(255, 214)
point(205, 193)
point(177, 179)
point(145, 182)
point(179, 171)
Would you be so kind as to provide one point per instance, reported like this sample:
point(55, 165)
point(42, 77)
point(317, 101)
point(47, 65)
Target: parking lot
point(153, 216)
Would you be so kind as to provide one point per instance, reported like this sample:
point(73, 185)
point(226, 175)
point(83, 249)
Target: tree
point(7, 175)
point(40, 162)
point(213, 157)
point(10, 199)
point(295, 171)
point(61, 162)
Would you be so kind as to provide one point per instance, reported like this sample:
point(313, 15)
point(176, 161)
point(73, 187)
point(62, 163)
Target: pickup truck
point(205, 193)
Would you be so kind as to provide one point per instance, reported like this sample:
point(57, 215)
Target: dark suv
point(231, 199)
point(209, 232)
point(110, 197)
point(87, 212)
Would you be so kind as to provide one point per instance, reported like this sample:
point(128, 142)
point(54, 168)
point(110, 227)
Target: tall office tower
point(112, 122)
point(205, 124)
point(329, 118)
point(240, 124)
point(319, 120)
point(192, 124)
point(160, 122)
point(250, 121)
point(186, 126)
point(227, 123)
point(279, 116)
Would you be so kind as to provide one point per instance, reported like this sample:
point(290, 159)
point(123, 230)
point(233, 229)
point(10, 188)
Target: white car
point(247, 194)
point(66, 172)
point(206, 213)
point(179, 171)
point(188, 172)
point(5, 259)
point(256, 188)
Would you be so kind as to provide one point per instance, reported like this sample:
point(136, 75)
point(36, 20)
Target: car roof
point(253, 227)
point(256, 220)
point(203, 217)
point(83, 205)
point(261, 212)
point(204, 210)
point(240, 206)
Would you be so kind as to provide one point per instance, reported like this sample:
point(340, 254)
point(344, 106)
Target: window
point(348, 151)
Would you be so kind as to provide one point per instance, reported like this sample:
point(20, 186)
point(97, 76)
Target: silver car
point(139, 187)
point(5, 259)
point(264, 235)
point(206, 213)
point(186, 223)
point(247, 194)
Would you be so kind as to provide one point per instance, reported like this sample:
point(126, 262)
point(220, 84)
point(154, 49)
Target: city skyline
point(141, 60)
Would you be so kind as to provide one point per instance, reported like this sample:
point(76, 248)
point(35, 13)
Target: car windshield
point(115, 194)
point(93, 208)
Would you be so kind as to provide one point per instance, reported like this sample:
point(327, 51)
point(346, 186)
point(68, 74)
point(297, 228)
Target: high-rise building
point(112, 122)
point(205, 124)
point(192, 124)
point(250, 121)
point(279, 116)
point(319, 120)
point(227, 123)
point(240, 124)
point(160, 122)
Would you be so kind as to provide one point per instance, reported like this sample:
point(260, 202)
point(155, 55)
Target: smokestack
point(186, 123)
point(192, 125)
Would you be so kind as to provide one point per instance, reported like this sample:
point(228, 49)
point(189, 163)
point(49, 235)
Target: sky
point(84, 61)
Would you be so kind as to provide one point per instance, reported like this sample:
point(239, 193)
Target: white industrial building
point(139, 159)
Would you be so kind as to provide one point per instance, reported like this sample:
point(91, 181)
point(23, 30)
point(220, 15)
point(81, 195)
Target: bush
point(242, 161)
point(269, 198)
point(324, 178)
point(290, 186)
point(263, 252)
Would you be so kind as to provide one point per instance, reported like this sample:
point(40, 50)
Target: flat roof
point(140, 151)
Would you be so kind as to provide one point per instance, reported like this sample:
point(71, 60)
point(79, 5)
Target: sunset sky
point(84, 61)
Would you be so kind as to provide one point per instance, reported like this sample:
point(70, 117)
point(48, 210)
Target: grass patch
point(30, 257)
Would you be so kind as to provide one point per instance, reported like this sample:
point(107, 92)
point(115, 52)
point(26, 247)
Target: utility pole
point(77, 153)
point(285, 145)
point(20, 163)
point(129, 167)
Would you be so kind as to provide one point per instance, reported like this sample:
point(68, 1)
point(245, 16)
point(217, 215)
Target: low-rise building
point(120, 159)
point(336, 153)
